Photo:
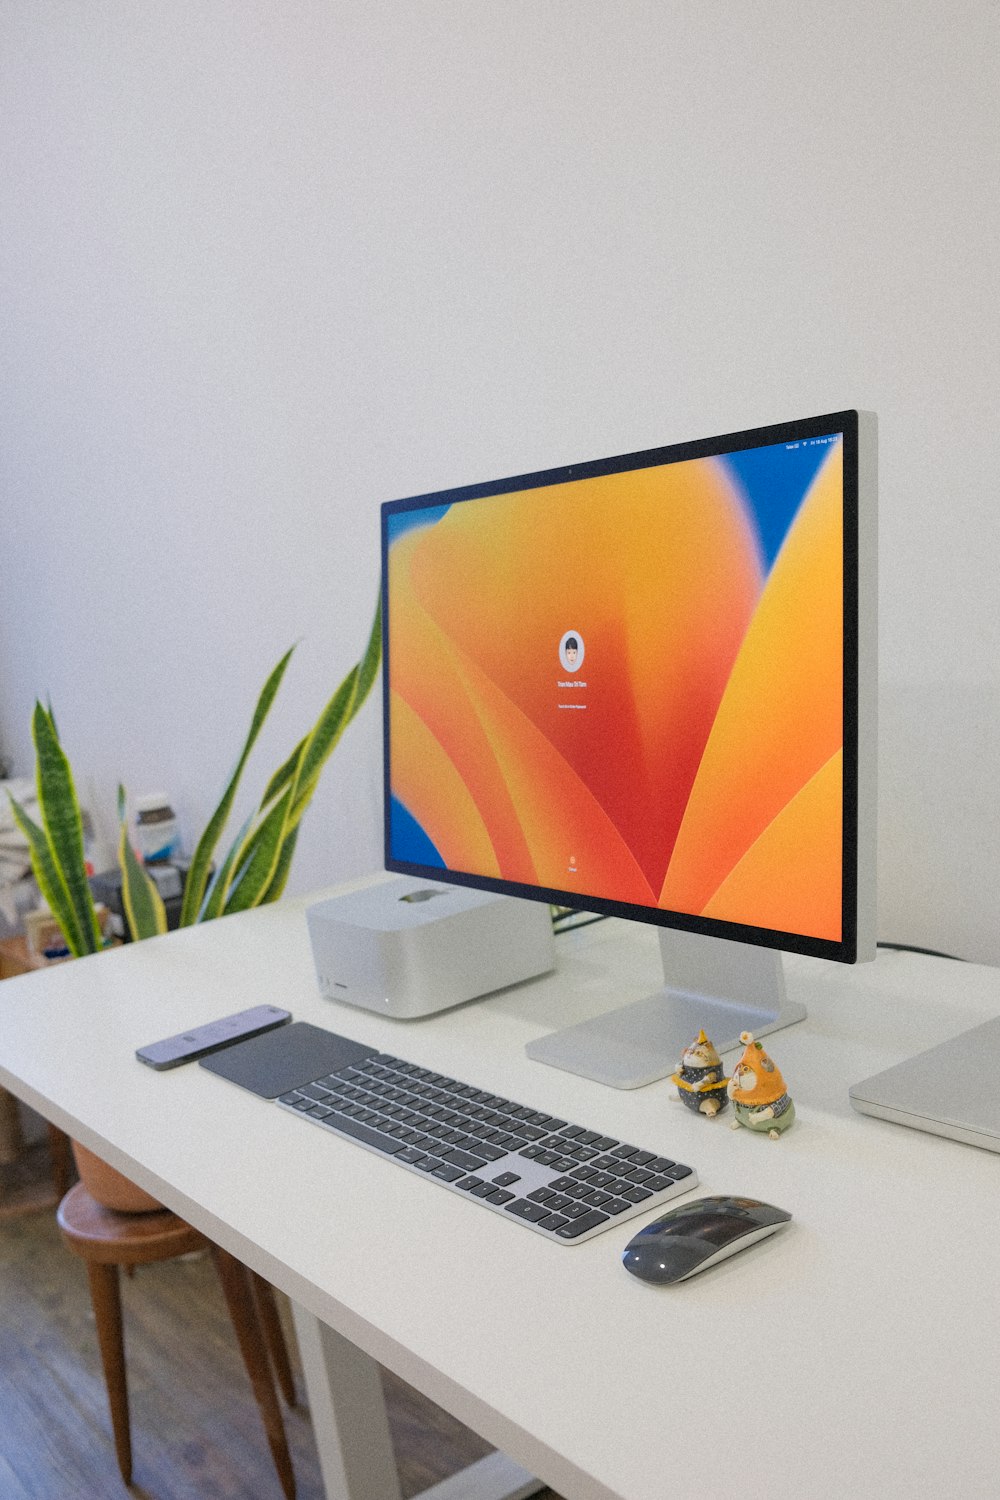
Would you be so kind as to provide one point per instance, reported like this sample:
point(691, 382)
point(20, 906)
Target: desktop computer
point(407, 948)
point(646, 687)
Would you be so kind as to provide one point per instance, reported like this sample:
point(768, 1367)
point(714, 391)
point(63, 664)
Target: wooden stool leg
point(235, 1281)
point(11, 1131)
point(274, 1335)
point(106, 1297)
point(62, 1159)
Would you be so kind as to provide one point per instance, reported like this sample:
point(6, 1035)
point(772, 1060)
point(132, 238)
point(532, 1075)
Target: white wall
point(269, 262)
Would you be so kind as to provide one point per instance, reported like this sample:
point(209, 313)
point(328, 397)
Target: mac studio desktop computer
point(646, 687)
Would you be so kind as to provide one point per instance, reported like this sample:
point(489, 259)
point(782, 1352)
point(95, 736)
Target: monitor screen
point(634, 686)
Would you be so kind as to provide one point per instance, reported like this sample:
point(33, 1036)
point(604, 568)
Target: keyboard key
point(525, 1210)
point(367, 1136)
point(598, 1199)
point(466, 1161)
point(576, 1227)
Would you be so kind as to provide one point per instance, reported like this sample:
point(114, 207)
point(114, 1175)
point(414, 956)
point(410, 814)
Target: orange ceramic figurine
point(757, 1089)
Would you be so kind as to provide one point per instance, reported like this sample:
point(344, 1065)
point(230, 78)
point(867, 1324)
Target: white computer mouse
point(698, 1235)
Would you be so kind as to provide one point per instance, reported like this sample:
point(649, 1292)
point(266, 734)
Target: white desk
point(856, 1353)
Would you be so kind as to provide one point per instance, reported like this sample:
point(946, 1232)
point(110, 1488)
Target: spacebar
point(365, 1134)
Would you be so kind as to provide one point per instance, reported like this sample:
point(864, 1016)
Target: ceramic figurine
point(700, 1080)
point(757, 1089)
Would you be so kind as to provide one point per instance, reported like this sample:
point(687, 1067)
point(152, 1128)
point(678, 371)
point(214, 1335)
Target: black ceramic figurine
point(699, 1078)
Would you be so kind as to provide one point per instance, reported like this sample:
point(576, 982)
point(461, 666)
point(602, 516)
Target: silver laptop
point(949, 1090)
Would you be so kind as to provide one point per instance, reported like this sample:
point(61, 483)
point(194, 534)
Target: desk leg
point(347, 1407)
point(495, 1477)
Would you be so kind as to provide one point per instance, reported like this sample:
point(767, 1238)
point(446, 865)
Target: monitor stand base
point(721, 987)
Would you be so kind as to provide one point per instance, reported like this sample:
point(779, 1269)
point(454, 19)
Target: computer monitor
point(645, 686)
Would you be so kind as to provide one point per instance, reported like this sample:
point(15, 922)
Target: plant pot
point(111, 1187)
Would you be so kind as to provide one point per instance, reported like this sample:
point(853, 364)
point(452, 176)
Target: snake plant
point(255, 868)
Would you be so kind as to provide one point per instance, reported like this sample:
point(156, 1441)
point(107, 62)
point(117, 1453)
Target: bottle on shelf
point(156, 828)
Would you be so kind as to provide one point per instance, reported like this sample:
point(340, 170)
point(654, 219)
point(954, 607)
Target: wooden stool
point(106, 1239)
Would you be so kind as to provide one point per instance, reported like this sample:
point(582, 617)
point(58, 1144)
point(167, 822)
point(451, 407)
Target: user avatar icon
point(571, 650)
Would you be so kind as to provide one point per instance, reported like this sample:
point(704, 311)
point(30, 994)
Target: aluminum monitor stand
point(711, 983)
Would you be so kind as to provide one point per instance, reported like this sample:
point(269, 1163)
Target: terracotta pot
point(109, 1186)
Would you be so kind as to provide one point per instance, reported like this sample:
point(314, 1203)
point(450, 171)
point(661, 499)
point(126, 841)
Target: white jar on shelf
point(156, 829)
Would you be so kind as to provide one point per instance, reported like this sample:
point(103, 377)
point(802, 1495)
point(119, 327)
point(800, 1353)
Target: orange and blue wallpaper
point(688, 754)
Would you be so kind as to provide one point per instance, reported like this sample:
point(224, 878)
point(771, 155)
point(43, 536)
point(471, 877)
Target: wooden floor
point(196, 1433)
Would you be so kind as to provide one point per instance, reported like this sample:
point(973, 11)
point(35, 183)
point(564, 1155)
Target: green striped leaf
point(336, 716)
point(63, 825)
point(260, 859)
point(280, 877)
point(50, 882)
point(282, 775)
point(144, 908)
point(194, 890)
point(214, 899)
point(322, 740)
point(372, 659)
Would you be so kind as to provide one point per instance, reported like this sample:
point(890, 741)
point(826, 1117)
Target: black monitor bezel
point(845, 422)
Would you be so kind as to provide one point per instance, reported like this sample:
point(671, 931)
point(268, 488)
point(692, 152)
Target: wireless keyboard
point(563, 1180)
